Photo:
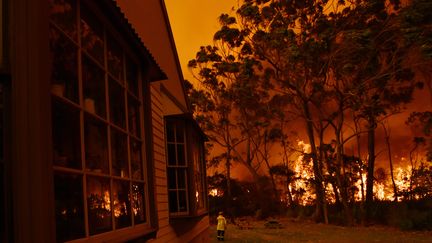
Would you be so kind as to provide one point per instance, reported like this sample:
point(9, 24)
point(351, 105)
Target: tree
point(327, 60)
point(422, 121)
point(375, 68)
point(213, 103)
point(386, 129)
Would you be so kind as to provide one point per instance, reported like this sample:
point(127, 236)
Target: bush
point(409, 215)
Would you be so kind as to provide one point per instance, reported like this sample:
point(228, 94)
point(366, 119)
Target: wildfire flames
point(302, 189)
point(383, 190)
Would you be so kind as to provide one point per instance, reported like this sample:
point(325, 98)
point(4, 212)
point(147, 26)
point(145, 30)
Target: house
point(97, 142)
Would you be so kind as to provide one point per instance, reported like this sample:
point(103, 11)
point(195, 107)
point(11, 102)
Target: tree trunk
point(266, 160)
point(341, 178)
point(371, 164)
point(413, 165)
point(321, 209)
point(286, 163)
point(357, 132)
point(228, 170)
point(335, 191)
point(387, 139)
point(290, 197)
point(362, 185)
point(228, 182)
point(361, 168)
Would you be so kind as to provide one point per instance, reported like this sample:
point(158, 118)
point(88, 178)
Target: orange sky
point(193, 24)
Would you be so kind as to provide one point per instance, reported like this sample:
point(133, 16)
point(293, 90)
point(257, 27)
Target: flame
point(304, 172)
point(303, 192)
point(216, 192)
point(107, 201)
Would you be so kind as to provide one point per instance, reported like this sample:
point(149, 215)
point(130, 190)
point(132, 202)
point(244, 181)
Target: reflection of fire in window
point(97, 95)
point(138, 203)
point(99, 204)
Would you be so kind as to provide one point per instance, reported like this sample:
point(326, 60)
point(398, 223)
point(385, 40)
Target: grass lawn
point(303, 231)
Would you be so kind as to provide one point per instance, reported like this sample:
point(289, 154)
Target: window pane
point(115, 58)
point(170, 132)
point(66, 135)
point(94, 87)
point(119, 153)
point(171, 178)
point(121, 204)
point(138, 203)
point(117, 104)
point(98, 204)
point(172, 197)
point(96, 153)
point(136, 161)
point(181, 154)
point(181, 178)
point(171, 154)
point(64, 77)
point(69, 206)
point(64, 14)
point(179, 133)
point(134, 116)
point(132, 76)
point(182, 201)
point(92, 35)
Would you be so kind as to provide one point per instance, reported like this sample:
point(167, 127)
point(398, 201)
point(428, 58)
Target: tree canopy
point(319, 62)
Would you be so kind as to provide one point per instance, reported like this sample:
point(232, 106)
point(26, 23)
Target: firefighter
point(221, 226)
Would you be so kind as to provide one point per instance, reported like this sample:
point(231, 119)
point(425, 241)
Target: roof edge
point(155, 72)
point(174, 48)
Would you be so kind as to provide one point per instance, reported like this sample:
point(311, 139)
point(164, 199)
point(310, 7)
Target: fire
point(303, 171)
point(303, 191)
point(216, 192)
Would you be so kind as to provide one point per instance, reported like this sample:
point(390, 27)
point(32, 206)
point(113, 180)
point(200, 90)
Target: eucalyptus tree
point(328, 59)
point(213, 104)
point(377, 65)
point(228, 100)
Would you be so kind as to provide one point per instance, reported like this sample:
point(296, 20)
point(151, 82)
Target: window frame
point(178, 168)
point(194, 138)
point(140, 97)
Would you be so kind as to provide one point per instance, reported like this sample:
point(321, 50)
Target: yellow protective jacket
point(221, 225)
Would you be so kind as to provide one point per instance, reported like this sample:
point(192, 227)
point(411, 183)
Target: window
point(185, 167)
point(199, 171)
point(98, 133)
point(177, 168)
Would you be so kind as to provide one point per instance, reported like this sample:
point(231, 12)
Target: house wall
point(31, 174)
point(170, 108)
point(31, 145)
point(182, 230)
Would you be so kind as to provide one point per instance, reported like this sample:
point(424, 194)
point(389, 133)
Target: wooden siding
point(159, 152)
point(167, 232)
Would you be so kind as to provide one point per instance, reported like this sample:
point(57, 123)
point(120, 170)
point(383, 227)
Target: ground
point(305, 231)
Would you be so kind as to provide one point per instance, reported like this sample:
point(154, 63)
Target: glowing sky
point(193, 24)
